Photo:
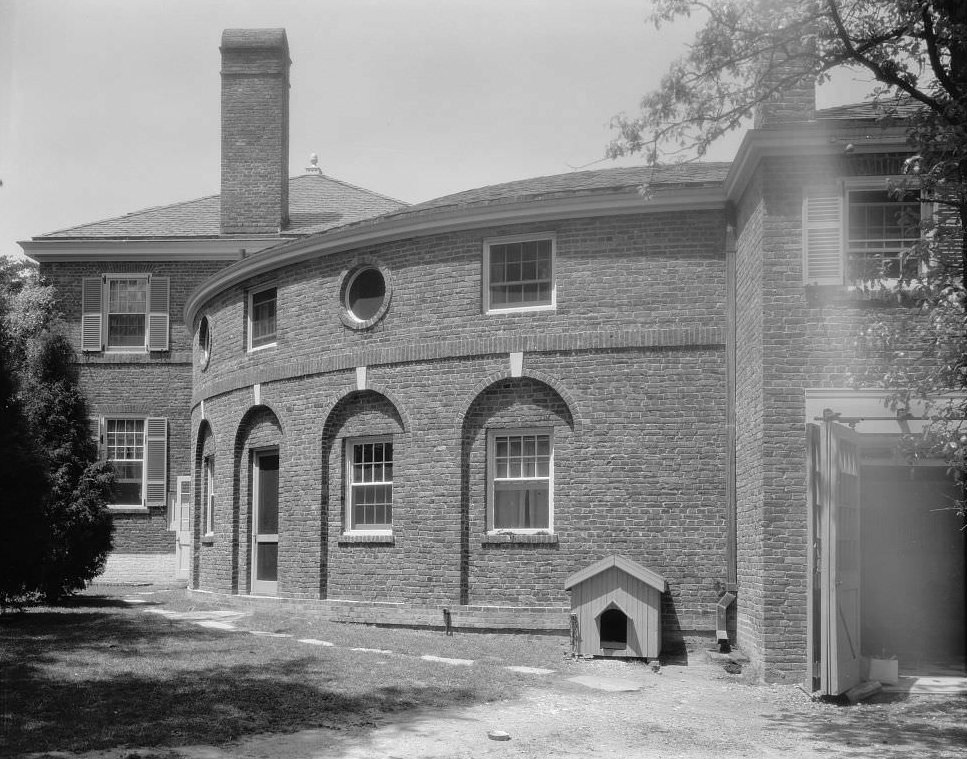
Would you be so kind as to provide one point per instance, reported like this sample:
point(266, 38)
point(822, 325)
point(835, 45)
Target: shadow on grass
point(208, 707)
point(892, 727)
point(79, 679)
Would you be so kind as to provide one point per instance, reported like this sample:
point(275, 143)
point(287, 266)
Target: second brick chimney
point(255, 131)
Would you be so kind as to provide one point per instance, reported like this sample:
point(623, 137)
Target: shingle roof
point(316, 203)
point(886, 107)
point(582, 182)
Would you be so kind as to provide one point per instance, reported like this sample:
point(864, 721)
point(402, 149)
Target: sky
point(112, 106)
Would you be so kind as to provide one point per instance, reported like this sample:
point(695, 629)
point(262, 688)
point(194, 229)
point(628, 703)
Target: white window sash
point(352, 486)
point(522, 483)
point(490, 308)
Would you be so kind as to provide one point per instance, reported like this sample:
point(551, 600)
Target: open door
point(834, 624)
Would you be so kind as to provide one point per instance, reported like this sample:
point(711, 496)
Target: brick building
point(403, 414)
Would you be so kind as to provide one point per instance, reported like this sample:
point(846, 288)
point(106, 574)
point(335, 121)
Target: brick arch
point(338, 416)
point(552, 382)
point(532, 401)
point(240, 492)
point(204, 440)
point(253, 411)
point(389, 395)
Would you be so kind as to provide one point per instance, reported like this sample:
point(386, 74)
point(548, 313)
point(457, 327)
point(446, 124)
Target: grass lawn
point(99, 673)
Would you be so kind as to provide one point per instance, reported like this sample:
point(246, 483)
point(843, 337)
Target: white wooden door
point(840, 558)
point(181, 524)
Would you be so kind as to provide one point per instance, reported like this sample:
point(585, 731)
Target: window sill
point(490, 311)
point(128, 509)
point(498, 538)
point(387, 540)
point(208, 540)
point(859, 297)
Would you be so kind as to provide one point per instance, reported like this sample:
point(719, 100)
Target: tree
point(22, 539)
point(748, 53)
point(77, 526)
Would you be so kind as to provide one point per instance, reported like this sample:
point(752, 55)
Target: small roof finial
point(313, 167)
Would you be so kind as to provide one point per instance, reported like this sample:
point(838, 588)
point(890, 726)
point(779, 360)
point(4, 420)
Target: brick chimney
point(795, 98)
point(255, 131)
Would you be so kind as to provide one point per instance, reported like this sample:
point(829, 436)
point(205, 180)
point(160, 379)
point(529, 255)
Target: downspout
point(729, 590)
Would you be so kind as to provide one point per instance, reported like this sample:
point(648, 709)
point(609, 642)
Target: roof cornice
point(441, 220)
point(63, 250)
point(812, 138)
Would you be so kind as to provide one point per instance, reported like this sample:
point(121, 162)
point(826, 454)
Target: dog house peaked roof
point(628, 566)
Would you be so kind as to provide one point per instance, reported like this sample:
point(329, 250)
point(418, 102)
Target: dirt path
point(693, 711)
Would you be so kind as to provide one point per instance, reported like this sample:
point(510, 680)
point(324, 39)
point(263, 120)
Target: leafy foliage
point(747, 55)
point(24, 484)
point(71, 523)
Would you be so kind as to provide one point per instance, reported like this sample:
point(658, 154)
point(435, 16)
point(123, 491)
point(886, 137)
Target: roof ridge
point(350, 184)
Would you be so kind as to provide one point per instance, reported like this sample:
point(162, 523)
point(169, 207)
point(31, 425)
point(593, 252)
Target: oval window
point(365, 294)
point(204, 342)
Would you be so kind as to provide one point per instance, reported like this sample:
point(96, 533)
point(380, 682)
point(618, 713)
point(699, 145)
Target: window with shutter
point(125, 313)
point(859, 232)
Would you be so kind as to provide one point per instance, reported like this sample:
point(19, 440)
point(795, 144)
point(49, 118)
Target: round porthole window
point(366, 294)
point(204, 343)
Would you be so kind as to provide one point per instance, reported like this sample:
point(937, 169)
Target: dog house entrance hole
point(614, 629)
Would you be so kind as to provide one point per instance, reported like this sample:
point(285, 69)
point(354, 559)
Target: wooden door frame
point(260, 587)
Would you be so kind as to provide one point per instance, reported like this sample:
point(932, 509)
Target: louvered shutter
point(94, 426)
point(822, 236)
point(156, 460)
point(92, 291)
point(158, 290)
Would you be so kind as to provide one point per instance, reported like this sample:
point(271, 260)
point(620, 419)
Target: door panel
point(840, 558)
point(181, 524)
point(265, 536)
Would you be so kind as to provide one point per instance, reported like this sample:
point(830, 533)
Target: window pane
point(520, 273)
point(525, 508)
point(127, 296)
point(371, 485)
point(881, 228)
point(125, 331)
point(263, 318)
point(366, 294)
point(267, 561)
point(268, 494)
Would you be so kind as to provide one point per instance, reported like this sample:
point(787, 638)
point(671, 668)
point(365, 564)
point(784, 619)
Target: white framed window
point(369, 485)
point(125, 313)
point(137, 447)
point(856, 230)
point(518, 273)
point(880, 229)
point(124, 448)
point(520, 480)
point(262, 318)
point(208, 497)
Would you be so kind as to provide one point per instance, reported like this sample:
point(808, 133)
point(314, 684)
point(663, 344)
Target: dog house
point(616, 609)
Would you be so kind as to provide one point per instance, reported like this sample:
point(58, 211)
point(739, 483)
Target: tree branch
point(930, 37)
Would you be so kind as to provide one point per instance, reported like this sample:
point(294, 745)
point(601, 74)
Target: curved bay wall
point(628, 374)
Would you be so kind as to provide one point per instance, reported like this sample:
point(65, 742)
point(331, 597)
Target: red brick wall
point(629, 369)
point(790, 339)
point(157, 384)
